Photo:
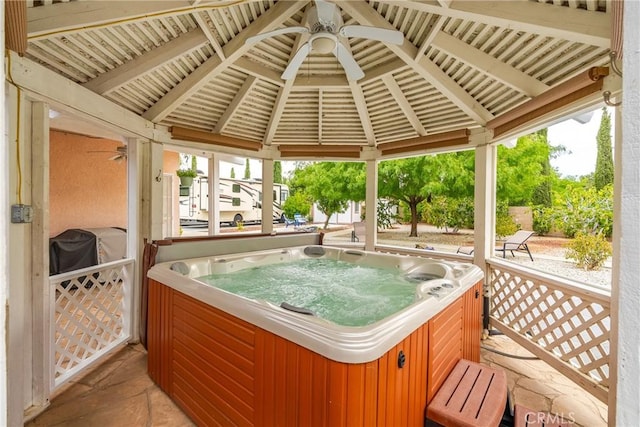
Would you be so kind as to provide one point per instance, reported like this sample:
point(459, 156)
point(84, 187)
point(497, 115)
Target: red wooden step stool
point(473, 395)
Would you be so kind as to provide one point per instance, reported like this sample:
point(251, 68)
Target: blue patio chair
point(299, 220)
point(288, 222)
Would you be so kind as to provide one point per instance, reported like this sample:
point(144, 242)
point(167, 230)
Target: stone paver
point(538, 386)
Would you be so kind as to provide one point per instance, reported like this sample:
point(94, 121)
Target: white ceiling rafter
point(489, 65)
point(538, 18)
point(363, 112)
point(429, 71)
point(403, 103)
point(241, 95)
point(281, 100)
point(146, 62)
point(202, 23)
point(271, 19)
point(429, 39)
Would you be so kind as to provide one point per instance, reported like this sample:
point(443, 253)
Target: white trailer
point(240, 200)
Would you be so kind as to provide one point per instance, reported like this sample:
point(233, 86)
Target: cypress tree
point(233, 173)
point(604, 160)
point(277, 172)
point(542, 193)
point(247, 170)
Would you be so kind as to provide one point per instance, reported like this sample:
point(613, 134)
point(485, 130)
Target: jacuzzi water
point(343, 293)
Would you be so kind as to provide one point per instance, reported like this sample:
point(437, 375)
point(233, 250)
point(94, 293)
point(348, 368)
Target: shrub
point(587, 210)
point(298, 202)
point(505, 225)
point(450, 213)
point(589, 250)
point(543, 219)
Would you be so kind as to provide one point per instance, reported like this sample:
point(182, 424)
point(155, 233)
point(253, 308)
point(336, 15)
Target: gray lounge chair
point(358, 231)
point(517, 242)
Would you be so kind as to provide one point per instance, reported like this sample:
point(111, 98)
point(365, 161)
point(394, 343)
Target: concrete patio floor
point(120, 393)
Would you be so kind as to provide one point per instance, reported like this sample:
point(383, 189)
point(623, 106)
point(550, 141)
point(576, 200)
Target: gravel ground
point(548, 251)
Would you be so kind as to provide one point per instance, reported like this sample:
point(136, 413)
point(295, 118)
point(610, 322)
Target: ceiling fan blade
point(351, 67)
point(325, 11)
point(373, 33)
point(295, 63)
point(259, 37)
point(117, 157)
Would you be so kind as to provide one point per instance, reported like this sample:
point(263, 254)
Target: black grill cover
point(71, 250)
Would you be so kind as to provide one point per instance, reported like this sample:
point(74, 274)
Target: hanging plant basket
point(186, 177)
point(186, 181)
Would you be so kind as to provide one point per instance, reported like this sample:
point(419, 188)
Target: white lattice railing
point(565, 323)
point(91, 314)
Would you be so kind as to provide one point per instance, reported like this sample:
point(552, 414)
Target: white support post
point(19, 309)
point(485, 207)
point(267, 196)
point(135, 227)
point(4, 243)
point(144, 213)
point(41, 360)
point(627, 408)
point(371, 203)
point(214, 198)
point(615, 272)
point(156, 163)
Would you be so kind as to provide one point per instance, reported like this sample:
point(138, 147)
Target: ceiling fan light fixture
point(323, 45)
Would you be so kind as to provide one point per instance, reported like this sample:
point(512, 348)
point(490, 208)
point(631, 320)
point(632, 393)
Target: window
point(356, 208)
point(235, 188)
point(235, 201)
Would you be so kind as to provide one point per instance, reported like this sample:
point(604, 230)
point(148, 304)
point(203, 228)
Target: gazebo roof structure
point(185, 65)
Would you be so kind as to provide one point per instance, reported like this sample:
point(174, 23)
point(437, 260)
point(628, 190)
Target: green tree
point(415, 180)
point(233, 173)
point(603, 175)
point(330, 185)
point(247, 170)
point(277, 172)
point(520, 169)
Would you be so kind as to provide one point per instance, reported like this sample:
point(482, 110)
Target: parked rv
point(240, 200)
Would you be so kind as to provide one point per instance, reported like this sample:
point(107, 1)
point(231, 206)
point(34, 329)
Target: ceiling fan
point(328, 35)
point(119, 154)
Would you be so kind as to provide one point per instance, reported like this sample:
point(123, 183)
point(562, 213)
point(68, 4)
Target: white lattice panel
point(570, 323)
point(90, 315)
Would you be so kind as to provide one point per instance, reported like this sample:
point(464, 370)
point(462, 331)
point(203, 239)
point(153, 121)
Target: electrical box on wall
point(21, 214)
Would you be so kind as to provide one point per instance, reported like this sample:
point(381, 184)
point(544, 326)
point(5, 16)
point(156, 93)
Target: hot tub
point(232, 360)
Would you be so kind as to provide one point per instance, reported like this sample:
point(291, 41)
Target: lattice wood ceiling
point(186, 63)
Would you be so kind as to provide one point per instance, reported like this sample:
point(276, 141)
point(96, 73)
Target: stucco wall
point(86, 190)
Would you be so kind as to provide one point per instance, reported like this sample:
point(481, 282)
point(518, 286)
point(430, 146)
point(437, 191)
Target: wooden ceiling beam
point(363, 112)
point(489, 65)
point(147, 62)
point(237, 101)
point(366, 15)
point(403, 103)
point(576, 25)
point(214, 66)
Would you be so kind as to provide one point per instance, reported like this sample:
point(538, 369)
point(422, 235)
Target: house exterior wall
point(87, 190)
point(350, 215)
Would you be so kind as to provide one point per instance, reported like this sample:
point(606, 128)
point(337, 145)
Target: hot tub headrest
point(180, 267)
point(314, 251)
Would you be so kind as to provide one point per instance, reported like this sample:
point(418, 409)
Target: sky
point(579, 140)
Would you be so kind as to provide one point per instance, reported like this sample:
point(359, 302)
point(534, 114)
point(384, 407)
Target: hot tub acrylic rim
point(347, 344)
